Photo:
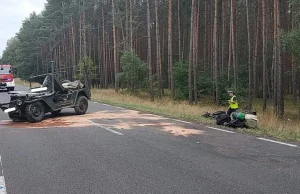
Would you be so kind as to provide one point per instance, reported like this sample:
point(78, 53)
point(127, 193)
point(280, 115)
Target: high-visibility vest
point(232, 104)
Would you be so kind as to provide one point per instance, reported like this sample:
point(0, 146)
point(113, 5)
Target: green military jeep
point(53, 95)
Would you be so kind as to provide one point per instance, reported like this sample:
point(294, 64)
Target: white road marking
point(0, 162)
point(278, 142)
point(107, 129)
point(2, 180)
point(182, 121)
point(2, 185)
point(221, 130)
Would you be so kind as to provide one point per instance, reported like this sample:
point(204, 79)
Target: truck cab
point(6, 77)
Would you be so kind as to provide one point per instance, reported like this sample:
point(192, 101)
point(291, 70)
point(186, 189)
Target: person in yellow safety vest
point(233, 103)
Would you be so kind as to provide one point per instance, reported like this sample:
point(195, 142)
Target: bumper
point(10, 107)
point(4, 85)
point(10, 110)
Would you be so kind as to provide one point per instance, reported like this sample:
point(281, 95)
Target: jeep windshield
point(40, 79)
point(47, 81)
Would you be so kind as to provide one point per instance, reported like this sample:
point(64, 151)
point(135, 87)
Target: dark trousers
point(230, 110)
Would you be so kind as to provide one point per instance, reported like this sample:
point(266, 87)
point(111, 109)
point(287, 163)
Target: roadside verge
point(258, 132)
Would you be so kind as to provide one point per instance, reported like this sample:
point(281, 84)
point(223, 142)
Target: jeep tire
point(35, 112)
point(81, 105)
point(16, 118)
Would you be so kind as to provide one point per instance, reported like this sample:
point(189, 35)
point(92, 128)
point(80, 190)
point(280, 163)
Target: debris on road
point(236, 120)
point(122, 120)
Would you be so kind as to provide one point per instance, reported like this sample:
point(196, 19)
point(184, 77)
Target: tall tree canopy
point(252, 47)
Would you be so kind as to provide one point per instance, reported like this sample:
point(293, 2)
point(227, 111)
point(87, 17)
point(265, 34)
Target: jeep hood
point(23, 93)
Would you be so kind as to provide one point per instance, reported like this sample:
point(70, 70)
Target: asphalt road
point(122, 152)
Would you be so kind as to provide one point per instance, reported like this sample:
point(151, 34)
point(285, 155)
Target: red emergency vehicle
point(7, 77)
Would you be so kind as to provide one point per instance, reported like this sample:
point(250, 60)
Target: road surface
point(113, 150)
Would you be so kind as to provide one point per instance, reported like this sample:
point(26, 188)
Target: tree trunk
point(280, 65)
point(126, 24)
point(99, 47)
point(215, 54)
point(294, 80)
point(205, 35)
point(149, 53)
point(179, 30)
point(105, 67)
point(131, 25)
point(294, 67)
point(158, 53)
point(249, 58)
point(258, 18)
point(209, 34)
point(170, 49)
point(80, 33)
point(37, 66)
point(264, 56)
point(230, 51)
point(224, 20)
point(275, 60)
point(191, 56)
point(84, 31)
point(195, 35)
point(73, 46)
point(115, 45)
point(196, 52)
point(90, 41)
point(233, 41)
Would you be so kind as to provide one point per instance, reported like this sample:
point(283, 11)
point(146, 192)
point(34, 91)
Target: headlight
point(19, 102)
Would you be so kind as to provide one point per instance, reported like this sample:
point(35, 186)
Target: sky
point(12, 13)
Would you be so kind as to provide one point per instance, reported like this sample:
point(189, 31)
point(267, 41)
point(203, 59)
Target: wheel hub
point(36, 111)
point(82, 105)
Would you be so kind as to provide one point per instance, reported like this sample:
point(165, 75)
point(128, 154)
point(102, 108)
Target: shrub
point(133, 71)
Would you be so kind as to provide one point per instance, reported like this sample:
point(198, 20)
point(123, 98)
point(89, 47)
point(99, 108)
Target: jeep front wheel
point(16, 118)
point(81, 105)
point(35, 112)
